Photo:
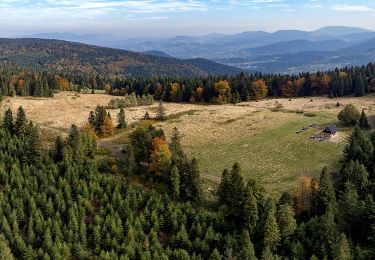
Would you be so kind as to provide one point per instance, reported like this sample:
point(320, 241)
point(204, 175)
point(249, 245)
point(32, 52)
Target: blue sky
point(134, 18)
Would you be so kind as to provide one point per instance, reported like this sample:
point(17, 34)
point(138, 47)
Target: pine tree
point(146, 116)
point(176, 147)
point(359, 147)
point(341, 250)
point(286, 220)
point(363, 122)
point(59, 146)
point(271, 230)
point(267, 254)
point(349, 115)
point(8, 120)
point(33, 147)
point(121, 119)
point(328, 228)
point(326, 194)
point(232, 192)
point(5, 252)
point(348, 205)
point(74, 141)
point(21, 122)
point(130, 164)
point(359, 88)
point(250, 211)
point(356, 173)
point(175, 182)
point(215, 255)
point(247, 252)
point(195, 182)
point(161, 111)
point(47, 242)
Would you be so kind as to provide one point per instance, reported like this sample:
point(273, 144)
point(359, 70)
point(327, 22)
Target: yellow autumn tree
point(222, 88)
point(87, 128)
point(302, 194)
point(107, 126)
point(259, 89)
point(199, 92)
point(175, 88)
point(161, 156)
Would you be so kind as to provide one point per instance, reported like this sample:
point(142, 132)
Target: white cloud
point(351, 8)
point(314, 5)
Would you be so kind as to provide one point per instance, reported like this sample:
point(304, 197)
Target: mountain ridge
point(67, 56)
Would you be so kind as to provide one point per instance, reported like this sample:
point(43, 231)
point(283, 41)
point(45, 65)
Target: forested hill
point(69, 57)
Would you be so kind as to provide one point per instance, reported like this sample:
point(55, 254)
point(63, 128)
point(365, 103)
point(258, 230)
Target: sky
point(152, 18)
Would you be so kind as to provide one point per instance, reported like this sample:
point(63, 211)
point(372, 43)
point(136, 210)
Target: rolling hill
point(283, 51)
point(71, 57)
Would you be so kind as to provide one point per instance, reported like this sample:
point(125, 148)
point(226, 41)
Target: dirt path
point(210, 177)
point(108, 144)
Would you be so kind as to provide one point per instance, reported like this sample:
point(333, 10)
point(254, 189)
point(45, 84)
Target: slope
point(71, 57)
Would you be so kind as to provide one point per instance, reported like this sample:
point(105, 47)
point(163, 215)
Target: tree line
point(213, 89)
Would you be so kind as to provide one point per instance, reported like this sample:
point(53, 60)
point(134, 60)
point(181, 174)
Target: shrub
point(349, 115)
point(310, 114)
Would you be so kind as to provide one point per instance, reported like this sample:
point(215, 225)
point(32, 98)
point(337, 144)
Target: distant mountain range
point(284, 51)
point(71, 57)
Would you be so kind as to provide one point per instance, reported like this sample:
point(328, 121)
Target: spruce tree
point(59, 147)
point(341, 249)
point(349, 115)
point(359, 88)
point(130, 164)
point(359, 147)
point(348, 206)
point(286, 220)
point(176, 147)
point(215, 255)
point(326, 194)
point(121, 119)
point(363, 122)
point(8, 120)
point(34, 146)
point(161, 111)
point(356, 173)
point(250, 210)
point(272, 237)
point(247, 252)
point(21, 122)
point(267, 254)
point(5, 252)
point(175, 182)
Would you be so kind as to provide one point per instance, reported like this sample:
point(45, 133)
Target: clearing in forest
point(261, 136)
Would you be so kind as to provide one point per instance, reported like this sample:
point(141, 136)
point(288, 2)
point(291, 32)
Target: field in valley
point(263, 140)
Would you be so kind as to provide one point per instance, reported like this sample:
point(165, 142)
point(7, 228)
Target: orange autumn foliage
point(160, 159)
point(87, 128)
point(302, 194)
point(175, 88)
point(108, 127)
point(259, 89)
point(63, 83)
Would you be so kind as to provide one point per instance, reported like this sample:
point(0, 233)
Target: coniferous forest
point(211, 89)
point(58, 204)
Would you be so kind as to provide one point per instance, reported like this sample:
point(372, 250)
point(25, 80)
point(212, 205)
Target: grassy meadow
point(262, 140)
point(274, 156)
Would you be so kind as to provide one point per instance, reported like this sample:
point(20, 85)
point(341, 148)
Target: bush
point(349, 115)
point(310, 114)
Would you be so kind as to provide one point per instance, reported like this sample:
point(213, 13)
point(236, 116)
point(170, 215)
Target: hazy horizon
point(150, 18)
